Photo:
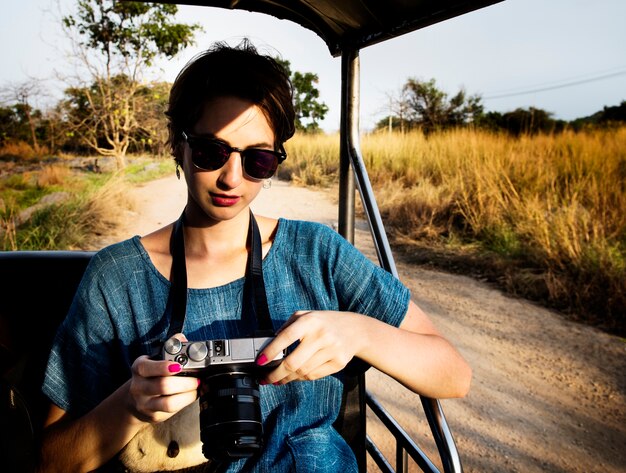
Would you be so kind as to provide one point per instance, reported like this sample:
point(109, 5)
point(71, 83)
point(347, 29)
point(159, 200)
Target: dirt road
point(548, 395)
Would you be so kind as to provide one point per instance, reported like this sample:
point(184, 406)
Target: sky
point(564, 56)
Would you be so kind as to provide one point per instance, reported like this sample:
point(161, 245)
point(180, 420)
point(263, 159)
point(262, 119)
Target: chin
point(219, 214)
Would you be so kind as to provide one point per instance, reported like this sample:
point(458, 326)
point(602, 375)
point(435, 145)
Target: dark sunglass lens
point(208, 155)
point(260, 164)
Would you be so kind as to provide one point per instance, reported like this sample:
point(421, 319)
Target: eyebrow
point(211, 136)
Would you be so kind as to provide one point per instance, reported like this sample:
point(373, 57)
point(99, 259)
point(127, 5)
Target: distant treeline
point(88, 119)
point(535, 120)
point(27, 132)
point(422, 105)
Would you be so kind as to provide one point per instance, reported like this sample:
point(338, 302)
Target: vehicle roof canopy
point(353, 24)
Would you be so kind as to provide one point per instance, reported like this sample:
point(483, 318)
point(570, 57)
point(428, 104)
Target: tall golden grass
point(313, 159)
point(53, 175)
point(22, 151)
point(554, 204)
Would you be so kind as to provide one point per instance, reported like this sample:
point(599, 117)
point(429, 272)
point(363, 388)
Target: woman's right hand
point(155, 392)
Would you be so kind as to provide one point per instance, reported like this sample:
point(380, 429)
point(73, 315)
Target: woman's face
point(223, 194)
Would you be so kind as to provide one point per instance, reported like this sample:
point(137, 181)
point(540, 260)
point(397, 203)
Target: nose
point(231, 174)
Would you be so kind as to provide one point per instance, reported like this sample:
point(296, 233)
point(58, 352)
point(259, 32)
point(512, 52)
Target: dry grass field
point(546, 213)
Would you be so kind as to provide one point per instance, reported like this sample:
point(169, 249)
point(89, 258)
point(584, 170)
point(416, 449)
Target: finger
point(300, 369)
point(170, 404)
point(287, 336)
point(147, 368)
point(323, 362)
point(306, 354)
point(326, 369)
point(294, 317)
point(166, 386)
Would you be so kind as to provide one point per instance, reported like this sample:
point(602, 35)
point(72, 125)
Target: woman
point(230, 112)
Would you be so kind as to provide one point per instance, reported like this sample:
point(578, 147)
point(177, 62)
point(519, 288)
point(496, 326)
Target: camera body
point(219, 356)
point(230, 411)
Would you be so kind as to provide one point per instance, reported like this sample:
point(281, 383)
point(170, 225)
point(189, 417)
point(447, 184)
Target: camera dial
point(173, 346)
point(197, 351)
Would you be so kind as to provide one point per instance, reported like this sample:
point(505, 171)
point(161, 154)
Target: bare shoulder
point(267, 227)
point(157, 245)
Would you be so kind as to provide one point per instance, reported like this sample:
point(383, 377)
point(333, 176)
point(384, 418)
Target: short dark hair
point(240, 72)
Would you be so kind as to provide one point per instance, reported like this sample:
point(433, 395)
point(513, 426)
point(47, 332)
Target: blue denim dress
point(118, 314)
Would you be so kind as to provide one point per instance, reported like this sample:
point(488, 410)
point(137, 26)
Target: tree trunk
point(120, 161)
point(31, 125)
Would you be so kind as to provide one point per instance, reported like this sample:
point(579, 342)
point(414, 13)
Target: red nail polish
point(262, 382)
point(261, 360)
point(174, 368)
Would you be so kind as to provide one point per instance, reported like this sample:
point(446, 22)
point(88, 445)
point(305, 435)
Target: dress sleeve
point(363, 287)
point(80, 371)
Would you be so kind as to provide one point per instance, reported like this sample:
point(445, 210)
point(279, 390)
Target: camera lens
point(230, 416)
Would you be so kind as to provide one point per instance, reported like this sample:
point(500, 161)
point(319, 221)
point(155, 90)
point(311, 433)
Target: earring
point(267, 183)
point(178, 171)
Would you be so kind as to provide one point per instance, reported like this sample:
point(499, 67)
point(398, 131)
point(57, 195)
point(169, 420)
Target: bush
point(21, 151)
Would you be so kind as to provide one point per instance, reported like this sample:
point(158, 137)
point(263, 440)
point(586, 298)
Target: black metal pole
point(350, 155)
point(352, 169)
point(349, 119)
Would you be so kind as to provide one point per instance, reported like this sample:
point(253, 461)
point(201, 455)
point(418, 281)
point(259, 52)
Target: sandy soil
point(548, 395)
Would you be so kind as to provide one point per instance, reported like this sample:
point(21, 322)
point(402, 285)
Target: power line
point(553, 87)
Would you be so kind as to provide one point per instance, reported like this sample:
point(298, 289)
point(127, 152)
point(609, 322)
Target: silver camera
point(217, 355)
point(230, 410)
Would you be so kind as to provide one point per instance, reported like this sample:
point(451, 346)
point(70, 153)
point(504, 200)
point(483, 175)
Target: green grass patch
point(91, 205)
point(144, 170)
point(53, 228)
point(502, 240)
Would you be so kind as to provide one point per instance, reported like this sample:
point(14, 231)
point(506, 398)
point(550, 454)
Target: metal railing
point(352, 168)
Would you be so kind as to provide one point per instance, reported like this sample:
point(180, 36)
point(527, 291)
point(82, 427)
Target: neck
point(204, 238)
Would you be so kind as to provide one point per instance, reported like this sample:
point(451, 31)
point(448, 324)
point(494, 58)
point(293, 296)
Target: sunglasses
point(209, 154)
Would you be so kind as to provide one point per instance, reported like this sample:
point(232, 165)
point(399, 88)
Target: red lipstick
point(224, 200)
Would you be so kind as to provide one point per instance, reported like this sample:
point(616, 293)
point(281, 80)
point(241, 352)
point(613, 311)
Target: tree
point(398, 109)
point(430, 107)
point(152, 133)
point(14, 124)
point(607, 117)
point(21, 95)
point(391, 122)
point(116, 42)
point(522, 122)
point(309, 110)
point(615, 114)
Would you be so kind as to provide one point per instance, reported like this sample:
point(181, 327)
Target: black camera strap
point(254, 295)
point(254, 305)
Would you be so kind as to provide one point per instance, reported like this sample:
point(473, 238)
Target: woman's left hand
point(415, 354)
point(327, 342)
